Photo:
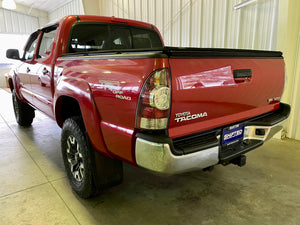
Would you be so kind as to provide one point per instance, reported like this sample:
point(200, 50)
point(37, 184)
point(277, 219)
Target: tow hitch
point(239, 161)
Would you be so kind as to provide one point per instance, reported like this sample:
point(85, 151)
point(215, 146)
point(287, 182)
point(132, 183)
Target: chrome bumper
point(255, 132)
point(159, 158)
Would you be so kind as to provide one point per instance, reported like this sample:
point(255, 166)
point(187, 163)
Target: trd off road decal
point(113, 86)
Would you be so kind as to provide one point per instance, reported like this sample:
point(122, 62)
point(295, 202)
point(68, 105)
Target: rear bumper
point(157, 153)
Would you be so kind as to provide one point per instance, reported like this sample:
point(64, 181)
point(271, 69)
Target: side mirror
point(12, 54)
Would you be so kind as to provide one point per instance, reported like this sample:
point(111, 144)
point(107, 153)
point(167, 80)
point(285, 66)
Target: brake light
point(154, 102)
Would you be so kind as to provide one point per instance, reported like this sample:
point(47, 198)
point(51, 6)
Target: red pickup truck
point(120, 95)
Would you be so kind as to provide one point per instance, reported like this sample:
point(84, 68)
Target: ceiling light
point(243, 4)
point(8, 4)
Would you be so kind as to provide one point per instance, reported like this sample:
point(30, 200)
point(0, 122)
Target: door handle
point(45, 71)
point(27, 70)
point(242, 76)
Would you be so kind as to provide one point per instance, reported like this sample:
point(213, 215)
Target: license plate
point(232, 134)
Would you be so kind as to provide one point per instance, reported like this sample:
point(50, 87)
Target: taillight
point(154, 103)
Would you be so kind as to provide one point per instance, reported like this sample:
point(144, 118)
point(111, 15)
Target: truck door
point(26, 69)
point(41, 80)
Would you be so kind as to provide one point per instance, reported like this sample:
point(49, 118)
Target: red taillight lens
point(154, 102)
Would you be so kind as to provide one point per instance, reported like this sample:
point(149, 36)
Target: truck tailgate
point(214, 88)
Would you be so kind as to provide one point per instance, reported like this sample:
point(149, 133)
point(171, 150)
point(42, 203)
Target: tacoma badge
point(184, 116)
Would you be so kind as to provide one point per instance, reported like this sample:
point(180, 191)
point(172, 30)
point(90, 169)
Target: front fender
point(80, 91)
point(14, 83)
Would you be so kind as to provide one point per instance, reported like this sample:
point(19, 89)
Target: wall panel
point(73, 7)
point(289, 42)
point(159, 15)
point(220, 23)
point(231, 39)
point(195, 20)
point(166, 30)
point(17, 23)
point(185, 23)
point(137, 7)
point(206, 23)
point(131, 9)
point(126, 9)
point(175, 23)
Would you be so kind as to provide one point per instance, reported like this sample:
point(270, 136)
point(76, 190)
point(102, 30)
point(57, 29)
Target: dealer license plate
point(232, 134)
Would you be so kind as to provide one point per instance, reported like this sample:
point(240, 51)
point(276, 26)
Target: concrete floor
point(34, 188)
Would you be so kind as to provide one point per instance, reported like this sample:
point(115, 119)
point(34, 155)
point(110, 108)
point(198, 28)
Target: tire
point(77, 157)
point(24, 113)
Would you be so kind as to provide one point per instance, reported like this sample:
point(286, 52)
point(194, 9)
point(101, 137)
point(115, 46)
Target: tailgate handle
point(242, 76)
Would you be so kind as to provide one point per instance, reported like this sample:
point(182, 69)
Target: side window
point(30, 46)
point(89, 37)
point(46, 43)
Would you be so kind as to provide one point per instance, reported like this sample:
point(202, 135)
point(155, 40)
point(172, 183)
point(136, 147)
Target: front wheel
point(24, 113)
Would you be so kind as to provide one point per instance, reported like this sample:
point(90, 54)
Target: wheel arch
point(11, 84)
point(75, 98)
point(65, 108)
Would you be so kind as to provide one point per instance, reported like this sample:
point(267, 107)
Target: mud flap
point(107, 172)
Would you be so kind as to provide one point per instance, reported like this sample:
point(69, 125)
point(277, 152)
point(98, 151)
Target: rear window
point(87, 37)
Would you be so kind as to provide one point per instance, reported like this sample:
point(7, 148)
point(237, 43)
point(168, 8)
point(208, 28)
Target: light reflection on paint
point(212, 78)
point(118, 128)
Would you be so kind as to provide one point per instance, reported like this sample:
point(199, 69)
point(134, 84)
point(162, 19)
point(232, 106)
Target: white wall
point(71, 8)
point(204, 23)
point(289, 43)
point(91, 7)
point(39, 15)
point(17, 23)
point(7, 41)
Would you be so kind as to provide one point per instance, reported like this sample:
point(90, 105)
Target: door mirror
point(12, 54)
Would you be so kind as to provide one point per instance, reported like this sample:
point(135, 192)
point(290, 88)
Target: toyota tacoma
point(120, 95)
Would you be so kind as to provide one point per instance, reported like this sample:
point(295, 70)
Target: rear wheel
point(77, 157)
point(24, 113)
point(88, 171)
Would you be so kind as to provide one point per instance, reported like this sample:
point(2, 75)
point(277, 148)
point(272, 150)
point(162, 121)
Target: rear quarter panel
point(115, 84)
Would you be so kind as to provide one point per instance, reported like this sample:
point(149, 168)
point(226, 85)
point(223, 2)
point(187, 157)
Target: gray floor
point(34, 188)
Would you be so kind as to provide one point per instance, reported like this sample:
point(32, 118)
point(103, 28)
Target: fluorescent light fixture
point(8, 4)
point(243, 4)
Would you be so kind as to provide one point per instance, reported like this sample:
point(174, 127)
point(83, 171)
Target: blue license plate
point(232, 134)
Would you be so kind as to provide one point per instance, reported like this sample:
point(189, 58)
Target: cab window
point(46, 43)
point(89, 37)
point(86, 37)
